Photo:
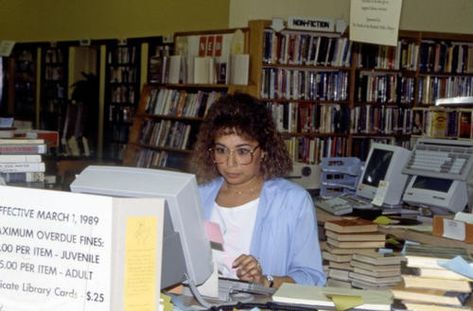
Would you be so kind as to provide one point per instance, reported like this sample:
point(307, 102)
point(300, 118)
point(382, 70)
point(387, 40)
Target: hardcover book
point(336, 258)
point(379, 259)
point(427, 256)
point(351, 225)
point(340, 265)
point(342, 251)
point(360, 244)
point(389, 280)
point(431, 307)
point(381, 268)
point(430, 295)
point(413, 281)
point(433, 273)
point(355, 237)
point(321, 296)
point(377, 274)
point(464, 124)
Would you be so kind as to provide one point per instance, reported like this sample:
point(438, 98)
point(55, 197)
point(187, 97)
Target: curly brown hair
point(243, 115)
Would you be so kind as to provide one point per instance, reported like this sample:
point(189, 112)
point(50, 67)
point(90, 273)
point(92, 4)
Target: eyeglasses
point(243, 155)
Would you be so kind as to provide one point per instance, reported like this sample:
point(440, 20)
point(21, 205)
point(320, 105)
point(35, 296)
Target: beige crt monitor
point(384, 163)
point(187, 254)
point(441, 171)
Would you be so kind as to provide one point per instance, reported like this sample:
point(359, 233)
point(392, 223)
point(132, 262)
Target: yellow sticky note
point(166, 303)
point(382, 220)
point(345, 302)
point(140, 264)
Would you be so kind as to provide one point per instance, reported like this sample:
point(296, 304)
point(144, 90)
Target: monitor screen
point(186, 250)
point(384, 163)
point(432, 183)
point(440, 195)
point(377, 167)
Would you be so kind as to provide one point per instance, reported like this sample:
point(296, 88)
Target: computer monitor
point(441, 195)
point(187, 255)
point(442, 175)
point(384, 162)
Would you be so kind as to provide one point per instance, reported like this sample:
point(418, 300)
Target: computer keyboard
point(357, 202)
point(234, 286)
point(233, 291)
point(335, 206)
point(343, 205)
point(443, 162)
point(441, 159)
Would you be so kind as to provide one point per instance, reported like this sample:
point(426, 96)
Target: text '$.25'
point(95, 297)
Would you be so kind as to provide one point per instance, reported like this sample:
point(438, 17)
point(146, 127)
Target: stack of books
point(345, 239)
point(428, 285)
point(376, 270)
point(21, 160)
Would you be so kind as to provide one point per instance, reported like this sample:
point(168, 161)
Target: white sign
point(311, 23)
point(381, 192)
point(375, 21)
point(70, 251)
point(453, 229)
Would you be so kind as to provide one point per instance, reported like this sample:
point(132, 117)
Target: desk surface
point(406, 234)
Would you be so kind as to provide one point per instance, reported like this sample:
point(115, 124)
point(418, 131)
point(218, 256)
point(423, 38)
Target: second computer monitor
point(384, 162)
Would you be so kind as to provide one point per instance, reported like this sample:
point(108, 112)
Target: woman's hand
point(248, 269)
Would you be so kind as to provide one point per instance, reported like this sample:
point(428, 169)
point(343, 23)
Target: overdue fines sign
point(57, 251)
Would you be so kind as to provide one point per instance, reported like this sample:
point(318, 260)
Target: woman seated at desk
point(268, 223)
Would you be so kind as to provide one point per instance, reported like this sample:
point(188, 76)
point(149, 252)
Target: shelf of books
point(166, 123)
point(304, 78)
point(445, 71)
point(123, 92)
point(22, 82)
point(54, 87)
point(384, 86)
point(159, 53)
point(184, 80)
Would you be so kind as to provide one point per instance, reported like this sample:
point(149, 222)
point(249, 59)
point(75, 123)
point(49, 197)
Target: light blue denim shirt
point(285, 238)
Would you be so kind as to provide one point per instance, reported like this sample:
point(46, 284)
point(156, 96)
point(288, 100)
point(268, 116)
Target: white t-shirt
point(237, 224)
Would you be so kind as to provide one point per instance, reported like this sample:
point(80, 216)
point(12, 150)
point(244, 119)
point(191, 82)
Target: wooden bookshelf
point(305, 78)
point(166, 124)
point(54, 85)
point(172, 107)
point(22, 82)
point(385, 86)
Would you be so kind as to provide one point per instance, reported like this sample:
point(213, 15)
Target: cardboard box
point(452, 229)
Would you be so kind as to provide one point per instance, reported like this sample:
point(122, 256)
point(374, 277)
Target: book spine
point(19, 149)
point(10, 158)
point(23, 177)
point(25, 141)
point(22, 167)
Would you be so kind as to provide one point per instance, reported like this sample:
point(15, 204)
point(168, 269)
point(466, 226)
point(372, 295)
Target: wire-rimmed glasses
point(243, 155)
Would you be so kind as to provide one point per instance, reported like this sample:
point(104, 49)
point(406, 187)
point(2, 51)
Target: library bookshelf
point(340, 96)
point(166, 124)
point(54, 85)
point(122, 94)
point(333, 97)
point(176, 98)
point(304, 78)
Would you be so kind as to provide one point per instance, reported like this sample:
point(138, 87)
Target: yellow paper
point(343, 302)
point(166, 303)
point(140, 264)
